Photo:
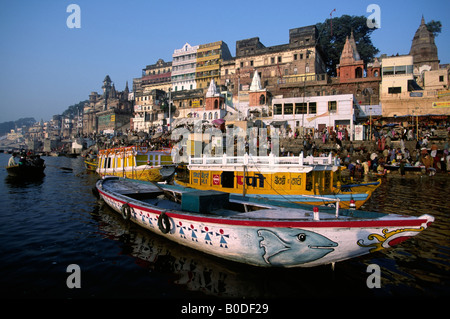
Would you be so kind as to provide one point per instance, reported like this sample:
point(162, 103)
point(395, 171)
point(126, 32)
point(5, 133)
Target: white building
point(184, 63)
point(316, 112)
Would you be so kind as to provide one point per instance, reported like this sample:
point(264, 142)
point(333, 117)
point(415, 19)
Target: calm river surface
point(49, 224)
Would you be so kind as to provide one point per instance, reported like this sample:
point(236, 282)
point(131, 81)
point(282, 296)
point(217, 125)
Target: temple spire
point(256, 82)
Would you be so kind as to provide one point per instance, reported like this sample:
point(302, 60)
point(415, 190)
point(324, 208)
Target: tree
point(75, 109)
point(332, 39)
point(434, 27)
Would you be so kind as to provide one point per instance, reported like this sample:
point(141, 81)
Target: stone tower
point(424, 50)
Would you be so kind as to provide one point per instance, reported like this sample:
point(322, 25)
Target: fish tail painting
point(389, 238)
point(295, 246)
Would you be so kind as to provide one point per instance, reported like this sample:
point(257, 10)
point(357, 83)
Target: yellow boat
point(305, 180)
point(91, 163)
point(135, 162)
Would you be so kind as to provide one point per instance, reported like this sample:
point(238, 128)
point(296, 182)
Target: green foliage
point(435, 27)
point(6, 127)
point(333, 43)
point(73, 110)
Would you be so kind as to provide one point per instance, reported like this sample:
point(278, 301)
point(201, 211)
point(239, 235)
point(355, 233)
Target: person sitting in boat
point(12, 160)
point(381, 170)
point(38, 161)
point(23, 161)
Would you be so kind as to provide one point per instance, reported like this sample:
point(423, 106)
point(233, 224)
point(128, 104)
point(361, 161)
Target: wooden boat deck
point(156, 196)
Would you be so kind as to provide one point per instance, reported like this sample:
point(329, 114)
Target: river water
point(51, 223)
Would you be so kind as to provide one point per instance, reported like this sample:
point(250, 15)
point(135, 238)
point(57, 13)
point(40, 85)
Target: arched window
point(358, 73)
point(216, 115)
point(262, 99)
point(216, 104)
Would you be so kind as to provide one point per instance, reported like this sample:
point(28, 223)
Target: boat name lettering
point(252, 180)
point(203, 176)
point(280, 180)
point(296, 180)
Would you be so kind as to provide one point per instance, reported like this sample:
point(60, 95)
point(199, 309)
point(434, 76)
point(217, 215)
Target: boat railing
point(270, 160)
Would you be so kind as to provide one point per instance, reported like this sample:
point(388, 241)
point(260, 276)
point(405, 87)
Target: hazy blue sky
point(46, 66)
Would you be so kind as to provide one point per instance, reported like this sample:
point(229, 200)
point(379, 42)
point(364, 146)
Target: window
point(401, 69)
point(388, 70)
point(262, 99)
point(295, 56)
point(332, 105)
point(312, 108)
point(288, 108)
point(441, 78)
point(395, 90)
point(272, 60)
point(251, 63)
point(277, 109)
point(301, 108)
point(279, 59)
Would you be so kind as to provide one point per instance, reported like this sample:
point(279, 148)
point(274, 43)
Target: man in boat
point(38, 161)
point(12, 160)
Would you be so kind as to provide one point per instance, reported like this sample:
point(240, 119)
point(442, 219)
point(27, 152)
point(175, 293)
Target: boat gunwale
point(384, 221)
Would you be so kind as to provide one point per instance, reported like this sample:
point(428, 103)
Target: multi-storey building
point(148, 110)
point(401, 95)
point(108, 111)
point(157, 76)
point(209, 60)
point(317, 112)
point(280, 67)
point(184, 62)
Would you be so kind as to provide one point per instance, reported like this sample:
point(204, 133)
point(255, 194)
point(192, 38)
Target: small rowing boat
point(25, 171)
point(256, 232)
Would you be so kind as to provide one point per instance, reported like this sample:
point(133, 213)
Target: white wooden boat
point(256, 233)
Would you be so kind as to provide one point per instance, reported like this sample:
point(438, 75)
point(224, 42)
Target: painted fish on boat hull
point(293, 247)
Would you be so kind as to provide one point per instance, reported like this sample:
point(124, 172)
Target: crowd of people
point(360, 161)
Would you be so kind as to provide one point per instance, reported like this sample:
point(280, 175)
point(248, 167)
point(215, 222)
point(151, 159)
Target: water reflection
point(216, 277)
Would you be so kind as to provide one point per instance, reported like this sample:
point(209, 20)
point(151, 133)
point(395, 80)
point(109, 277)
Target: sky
point(45, 66)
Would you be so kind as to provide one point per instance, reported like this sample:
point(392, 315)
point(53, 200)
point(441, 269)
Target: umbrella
point(218, 122)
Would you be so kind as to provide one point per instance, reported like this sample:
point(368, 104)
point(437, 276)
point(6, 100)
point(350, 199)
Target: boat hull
point(265, 241)
point(91, 165)
point(25, 171)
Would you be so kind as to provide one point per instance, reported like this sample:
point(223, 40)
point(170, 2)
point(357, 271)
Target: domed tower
point(106, 86)
point(424, 50)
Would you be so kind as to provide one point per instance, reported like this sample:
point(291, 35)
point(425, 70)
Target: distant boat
point(91, 163)
point(256, 233)
point(136, 163)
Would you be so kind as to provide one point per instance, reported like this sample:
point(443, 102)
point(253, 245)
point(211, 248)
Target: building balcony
point(208, 57)
point(206, 68)
point(303, 79)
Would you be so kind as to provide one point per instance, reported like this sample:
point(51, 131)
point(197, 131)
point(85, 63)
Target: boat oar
point(166, 192)
point(60, 167)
